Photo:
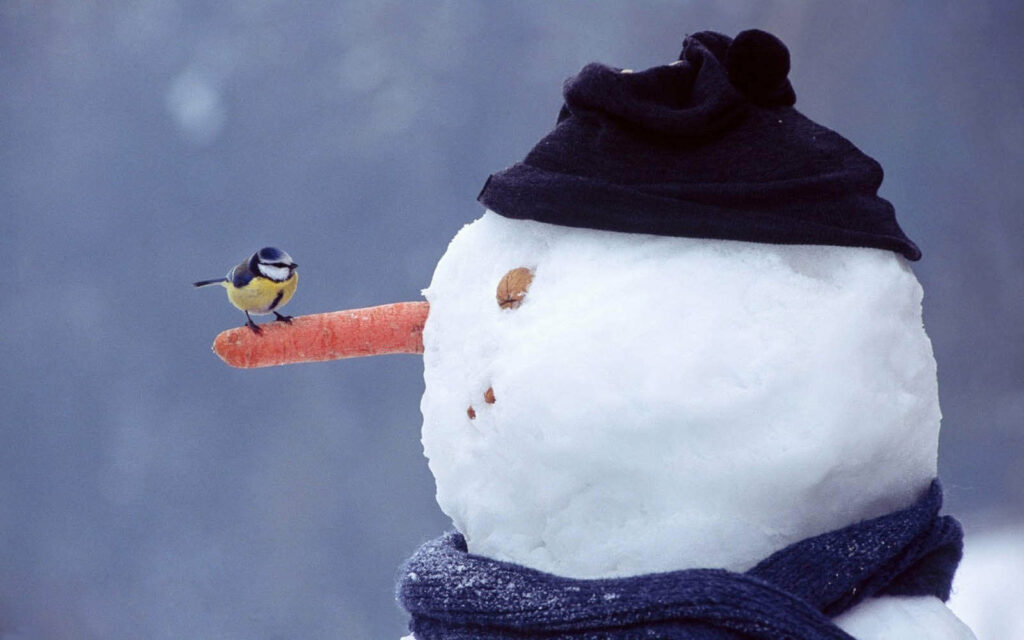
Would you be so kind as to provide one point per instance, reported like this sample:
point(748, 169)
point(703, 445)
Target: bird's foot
point(287, 319)
point(255, 327)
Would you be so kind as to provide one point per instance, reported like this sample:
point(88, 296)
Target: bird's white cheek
point(274, 273)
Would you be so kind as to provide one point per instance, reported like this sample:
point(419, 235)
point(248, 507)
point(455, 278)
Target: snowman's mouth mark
point(488, 398)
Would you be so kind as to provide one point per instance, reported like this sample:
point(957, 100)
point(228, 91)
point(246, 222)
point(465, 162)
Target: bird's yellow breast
point(262, 295)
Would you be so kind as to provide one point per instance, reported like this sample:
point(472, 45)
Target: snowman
point(677, 381)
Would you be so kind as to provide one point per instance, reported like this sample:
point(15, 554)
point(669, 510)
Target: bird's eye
point(513, 286)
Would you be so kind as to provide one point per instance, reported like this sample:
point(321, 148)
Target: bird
point(260, 285)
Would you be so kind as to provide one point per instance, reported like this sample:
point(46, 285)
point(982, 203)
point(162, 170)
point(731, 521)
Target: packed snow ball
point(660, 403)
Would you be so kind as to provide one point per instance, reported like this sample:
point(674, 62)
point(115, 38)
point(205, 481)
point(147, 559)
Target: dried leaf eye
point(513, 287)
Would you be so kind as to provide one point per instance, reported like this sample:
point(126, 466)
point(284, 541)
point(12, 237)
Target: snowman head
point(720, 349)
point(656, 403)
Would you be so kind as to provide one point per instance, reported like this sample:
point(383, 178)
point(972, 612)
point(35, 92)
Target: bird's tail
point(206, 283)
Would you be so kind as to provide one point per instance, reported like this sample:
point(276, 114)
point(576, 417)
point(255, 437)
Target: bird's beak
point(374, 331)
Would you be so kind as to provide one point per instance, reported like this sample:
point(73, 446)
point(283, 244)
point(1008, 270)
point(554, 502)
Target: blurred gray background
point(149, 491)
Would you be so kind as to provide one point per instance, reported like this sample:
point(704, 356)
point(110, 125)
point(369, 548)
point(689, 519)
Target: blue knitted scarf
point(794, 593)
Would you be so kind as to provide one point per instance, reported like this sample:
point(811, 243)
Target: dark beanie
point(709, 146)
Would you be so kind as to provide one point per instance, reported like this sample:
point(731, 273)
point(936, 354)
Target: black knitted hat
point(709, 146)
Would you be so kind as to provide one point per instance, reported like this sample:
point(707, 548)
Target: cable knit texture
point(454, 595)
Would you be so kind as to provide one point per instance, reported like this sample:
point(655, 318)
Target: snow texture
point(903, 618)
point(988, 591)
point(666, 403)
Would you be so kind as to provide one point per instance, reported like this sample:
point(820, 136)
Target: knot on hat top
point(702, 93)
point(758, 65)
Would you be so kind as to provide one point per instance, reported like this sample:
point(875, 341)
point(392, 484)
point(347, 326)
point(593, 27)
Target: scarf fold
point(454, 595)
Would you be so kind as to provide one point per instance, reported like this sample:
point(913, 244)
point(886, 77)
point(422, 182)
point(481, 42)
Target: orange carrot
point(390, 328)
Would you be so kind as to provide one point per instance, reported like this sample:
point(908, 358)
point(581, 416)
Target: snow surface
point(667, 403)
point(904, 618)
point(988, 592)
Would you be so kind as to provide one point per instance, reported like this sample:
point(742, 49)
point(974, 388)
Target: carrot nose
point(373, 331)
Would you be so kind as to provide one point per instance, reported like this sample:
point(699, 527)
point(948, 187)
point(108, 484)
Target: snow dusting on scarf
point(454, 595)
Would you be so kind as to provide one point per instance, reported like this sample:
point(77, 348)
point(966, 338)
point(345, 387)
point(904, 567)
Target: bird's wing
point(240, 275)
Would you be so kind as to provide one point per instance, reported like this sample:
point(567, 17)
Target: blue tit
point(260, 285)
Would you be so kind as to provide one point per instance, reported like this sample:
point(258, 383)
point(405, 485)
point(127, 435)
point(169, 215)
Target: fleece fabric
point(793, 594)
point(709, 146)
